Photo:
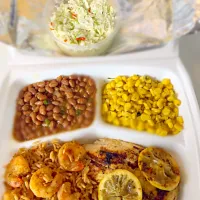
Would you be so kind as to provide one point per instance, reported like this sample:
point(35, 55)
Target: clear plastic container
point(77, 50)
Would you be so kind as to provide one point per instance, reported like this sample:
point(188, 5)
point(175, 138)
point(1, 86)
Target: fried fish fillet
point(109, 154)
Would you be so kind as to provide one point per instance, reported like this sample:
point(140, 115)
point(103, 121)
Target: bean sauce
point(53, 106)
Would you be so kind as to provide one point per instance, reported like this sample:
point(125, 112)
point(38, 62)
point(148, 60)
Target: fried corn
point(142, 103)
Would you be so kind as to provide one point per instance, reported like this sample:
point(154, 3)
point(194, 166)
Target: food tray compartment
point(184, 146)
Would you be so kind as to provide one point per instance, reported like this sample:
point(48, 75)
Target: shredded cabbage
point(83, 22)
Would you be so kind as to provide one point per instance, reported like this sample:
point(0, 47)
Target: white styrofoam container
point(184, 147)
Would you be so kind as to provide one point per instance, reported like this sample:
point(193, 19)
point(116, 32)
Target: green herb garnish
point(78, 112)
point(46, 102)
point(47, 122)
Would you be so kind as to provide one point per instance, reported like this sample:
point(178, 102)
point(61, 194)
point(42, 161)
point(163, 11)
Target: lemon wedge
point(120, 184)
point(159, 168)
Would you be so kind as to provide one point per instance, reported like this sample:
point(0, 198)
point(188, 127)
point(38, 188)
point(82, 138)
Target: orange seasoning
point(65, 40)
point(74, 15)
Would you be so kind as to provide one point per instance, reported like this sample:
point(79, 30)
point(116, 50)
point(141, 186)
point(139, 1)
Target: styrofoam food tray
point(184, 146)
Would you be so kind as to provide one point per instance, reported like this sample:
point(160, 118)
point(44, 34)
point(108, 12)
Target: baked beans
point(53, 106)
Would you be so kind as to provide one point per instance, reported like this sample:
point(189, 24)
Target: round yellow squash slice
point(159, 168)
point(120, 184)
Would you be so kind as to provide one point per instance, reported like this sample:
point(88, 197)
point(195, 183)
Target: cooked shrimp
point(17, 168)
point(45, 182)
point(65, 193)
point(8, 196)
point(70, 156)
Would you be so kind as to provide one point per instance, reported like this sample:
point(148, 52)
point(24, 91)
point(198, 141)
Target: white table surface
point(189, 48)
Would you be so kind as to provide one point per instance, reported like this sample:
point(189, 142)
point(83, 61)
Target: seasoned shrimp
point(45, 182)
point(70, 156)
point(8, 196)
point(17, 168)
point(65, 193)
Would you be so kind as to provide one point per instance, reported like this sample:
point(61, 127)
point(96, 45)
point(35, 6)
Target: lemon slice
point(159, 168)
point(120, 184)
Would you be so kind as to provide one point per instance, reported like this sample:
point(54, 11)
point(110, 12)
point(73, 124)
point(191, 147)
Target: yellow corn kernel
point(133, 123)
point(171, 98)
point(119, 84)
point(140, 126)
point(180, 119)
point(119, 114)
point(131, 90)
point(177, 102)
point(137, 83)
point(175, 111)
point(148, 112)
point(169, 123)
point(147, 105)
point(150, 129)
point(160, 131)
point(125, 97)
point(170, 86)
point(130, 84)
point(135, 96)
point(105, 108)
point(166, 111)
point(125, 87)
point(142, 91)
point(160, 103)
point(145, 117)
point(151, 122)
point(157, 91)
point(135, 77)
point(116, 122)
point(127, 106)
point(155, 110)
point(119, 94)
point(112, 84)
point(125, 122)
point(133, 116)
point(140, 102)
point(178, 127)
point(166, 81)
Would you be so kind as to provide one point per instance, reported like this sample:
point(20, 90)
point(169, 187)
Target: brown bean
point(85, 95)
point(90, 90)
point(77, 88)
point(38, 103)
point(36, 109)
point(32, 90)
point(32, 101)
point(58, 94)
point(69, 94)
point(50, 113)
point(27, 96)
point(49, 107)
point(90, 108)
point(25, 107)
point(56, 109)
point(65, 124)
point(33, 116)
point(53, 83)
point(77, 97)
point(59, 78)
point(91, 82)
point(27, 119)
point(69, 118)
point(61, 100)
point(52, 124)
point(20, 102)
point(60, 121)
point(82, 84)
point(85, 79)
point(48, 89)
point(88, 114)
point(80, 107)
point(38, 123)
point(41, 96)
point(72, 101)
point(54, 97)
point(25, 89)
point(57, 116)
point(68, 106)
point(65, 82)
point(73, 77)
point(42, 110)
point(40, 118)
point(72, 112)
point(41, 84)
point(72, 83)
point(42, 89)
point(27, 113)
point(82, 101)
point(56, 103)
